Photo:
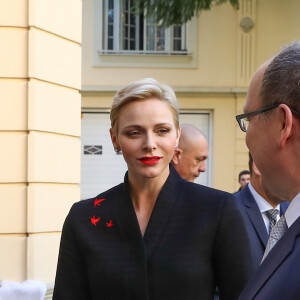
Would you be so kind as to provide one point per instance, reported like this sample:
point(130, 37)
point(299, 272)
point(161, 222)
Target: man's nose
point(202, 166)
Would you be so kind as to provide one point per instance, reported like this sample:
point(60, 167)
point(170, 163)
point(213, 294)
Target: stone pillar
point(40, 79)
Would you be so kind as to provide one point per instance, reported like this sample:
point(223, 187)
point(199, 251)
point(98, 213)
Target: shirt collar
point(262, 203)
point(293, 211)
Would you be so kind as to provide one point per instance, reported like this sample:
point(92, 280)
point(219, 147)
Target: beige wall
point(278, 23)
point(40, 78)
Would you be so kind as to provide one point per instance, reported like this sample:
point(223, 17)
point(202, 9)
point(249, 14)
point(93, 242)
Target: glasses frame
point(254, 113)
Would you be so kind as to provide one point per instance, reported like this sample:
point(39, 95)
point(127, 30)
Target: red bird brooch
point(98, 201)
point(94, 220)
point(110, 224)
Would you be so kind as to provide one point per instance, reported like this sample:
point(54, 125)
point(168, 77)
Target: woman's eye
point(133, 133)
point(163, 131)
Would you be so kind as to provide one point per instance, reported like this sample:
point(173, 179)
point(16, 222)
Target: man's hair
point(281, 80)
point(244, 172)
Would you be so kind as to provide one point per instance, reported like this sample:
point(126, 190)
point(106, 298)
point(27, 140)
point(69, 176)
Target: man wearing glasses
point(272, 125)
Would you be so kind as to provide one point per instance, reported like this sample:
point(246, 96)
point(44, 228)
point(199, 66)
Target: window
point(125, 32)
point(123, 39)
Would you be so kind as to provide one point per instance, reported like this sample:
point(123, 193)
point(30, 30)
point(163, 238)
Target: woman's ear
point(286, 124)
point(178, 135)
point(114, 139)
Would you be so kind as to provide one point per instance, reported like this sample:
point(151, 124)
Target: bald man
point(190, 157)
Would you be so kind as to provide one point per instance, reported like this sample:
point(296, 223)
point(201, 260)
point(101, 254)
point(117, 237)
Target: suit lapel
point(272, 262)
point(162, 210)
point(283, 207)
point(255, 215)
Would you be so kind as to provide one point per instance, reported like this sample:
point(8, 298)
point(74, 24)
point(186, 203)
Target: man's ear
point(286, 124)
point(176, 156)
point(114, 139)
point(255, 170)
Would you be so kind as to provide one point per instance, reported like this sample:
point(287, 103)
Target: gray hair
point(281, 80)
point(142, 90)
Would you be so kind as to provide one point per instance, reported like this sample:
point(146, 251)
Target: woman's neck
point(144, 192)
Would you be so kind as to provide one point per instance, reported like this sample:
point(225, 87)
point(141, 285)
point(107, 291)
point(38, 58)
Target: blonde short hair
point(142, 90)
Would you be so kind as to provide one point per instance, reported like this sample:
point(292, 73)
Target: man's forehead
point(253, 100)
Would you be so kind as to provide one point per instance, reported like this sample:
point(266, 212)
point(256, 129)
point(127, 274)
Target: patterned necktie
point(272, 215)
point(277, 232)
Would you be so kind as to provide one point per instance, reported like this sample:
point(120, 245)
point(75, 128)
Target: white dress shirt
point(264, 206)
point(293, 211)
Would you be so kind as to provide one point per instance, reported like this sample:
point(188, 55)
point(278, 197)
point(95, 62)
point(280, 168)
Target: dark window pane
point(141, 33)
point(132, 45)
point(177, 45)
point(126, 18)
point(110, 30)
point(177, 31)
point(110, 4)
point(161, 32)
point(126, 5)
point(125, 45)
point(110, 16)
point(110, 44)
point(160, 45)
point(132, 19)
point(125, 31)
point(132, 32)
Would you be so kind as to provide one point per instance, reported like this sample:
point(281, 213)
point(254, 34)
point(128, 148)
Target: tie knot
point(272, 214)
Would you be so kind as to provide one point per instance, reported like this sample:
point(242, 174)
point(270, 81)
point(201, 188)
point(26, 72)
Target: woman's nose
point(149, 143)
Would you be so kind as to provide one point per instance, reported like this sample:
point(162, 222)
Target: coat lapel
point(161, 213)
point(255, 216)
point(162, 210)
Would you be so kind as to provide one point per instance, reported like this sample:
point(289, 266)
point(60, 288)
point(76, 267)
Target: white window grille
point(126, 33)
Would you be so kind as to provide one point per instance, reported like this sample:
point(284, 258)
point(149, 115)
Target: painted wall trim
point(183, 89)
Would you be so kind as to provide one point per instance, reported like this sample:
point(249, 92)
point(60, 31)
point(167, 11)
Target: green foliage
point(176, 12)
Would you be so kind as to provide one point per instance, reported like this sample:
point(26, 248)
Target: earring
point(117, 150)
point(176, 146)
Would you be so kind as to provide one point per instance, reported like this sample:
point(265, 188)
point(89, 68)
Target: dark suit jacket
point(278, 277)
point(256, 229)
point(195, 240)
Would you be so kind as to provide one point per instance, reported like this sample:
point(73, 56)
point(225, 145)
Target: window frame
point(118, 37)
point(125, 58)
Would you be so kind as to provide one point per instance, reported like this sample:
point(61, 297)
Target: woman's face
point(147, 137)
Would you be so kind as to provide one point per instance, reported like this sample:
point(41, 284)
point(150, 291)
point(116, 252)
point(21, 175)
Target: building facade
point(61, 63)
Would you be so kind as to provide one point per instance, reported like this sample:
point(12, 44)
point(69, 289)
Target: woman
point(155, 236)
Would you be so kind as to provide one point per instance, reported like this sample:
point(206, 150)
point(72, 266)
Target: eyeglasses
point(244, 120)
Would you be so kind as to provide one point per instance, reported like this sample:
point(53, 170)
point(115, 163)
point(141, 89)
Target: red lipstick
point(149, 160)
